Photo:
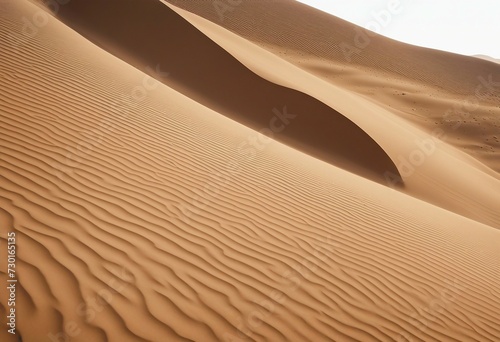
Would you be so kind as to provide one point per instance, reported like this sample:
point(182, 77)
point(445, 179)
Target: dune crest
point(424, 161)
point(488, 58)
point(429, 88)
point(220, 82)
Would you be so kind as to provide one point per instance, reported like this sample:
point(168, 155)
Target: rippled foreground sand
point(228, 171)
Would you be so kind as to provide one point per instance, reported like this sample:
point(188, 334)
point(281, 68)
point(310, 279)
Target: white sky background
point(467, 27)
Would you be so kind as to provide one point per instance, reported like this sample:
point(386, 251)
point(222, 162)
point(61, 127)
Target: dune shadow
point(148, 34)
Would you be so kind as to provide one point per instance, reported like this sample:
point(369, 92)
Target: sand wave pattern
point(219, 81)
point(139, 219)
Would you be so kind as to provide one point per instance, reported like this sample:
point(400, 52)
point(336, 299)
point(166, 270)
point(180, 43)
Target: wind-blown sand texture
point(152, 209)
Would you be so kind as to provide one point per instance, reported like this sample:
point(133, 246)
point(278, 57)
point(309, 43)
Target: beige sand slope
point(432, 89)
point(217, 80)
point(488, 58)
point(139, 218)
point(318, 129)
point(432, 171)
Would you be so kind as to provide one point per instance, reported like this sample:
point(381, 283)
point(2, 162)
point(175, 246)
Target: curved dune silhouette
point(217, 80)
point(426, 86)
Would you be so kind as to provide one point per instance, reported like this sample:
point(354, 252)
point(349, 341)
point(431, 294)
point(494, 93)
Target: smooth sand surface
point(154, 210)
point(488, 58)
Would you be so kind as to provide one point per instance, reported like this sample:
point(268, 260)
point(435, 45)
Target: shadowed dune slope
point(429, 88)
point(146, 33)
point(442, 179)
point(137, 219)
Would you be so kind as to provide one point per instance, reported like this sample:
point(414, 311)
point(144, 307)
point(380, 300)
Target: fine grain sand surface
point(149, 203)
point(488, 58)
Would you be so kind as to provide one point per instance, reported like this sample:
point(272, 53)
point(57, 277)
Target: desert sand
point(488, 58)
point(172, 174)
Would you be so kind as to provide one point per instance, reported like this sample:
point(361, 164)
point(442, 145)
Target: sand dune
point(424, 162)
point(432, 89)
point(140, 218)
point(317, 129)
point(220, 82)
point(488, 58)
